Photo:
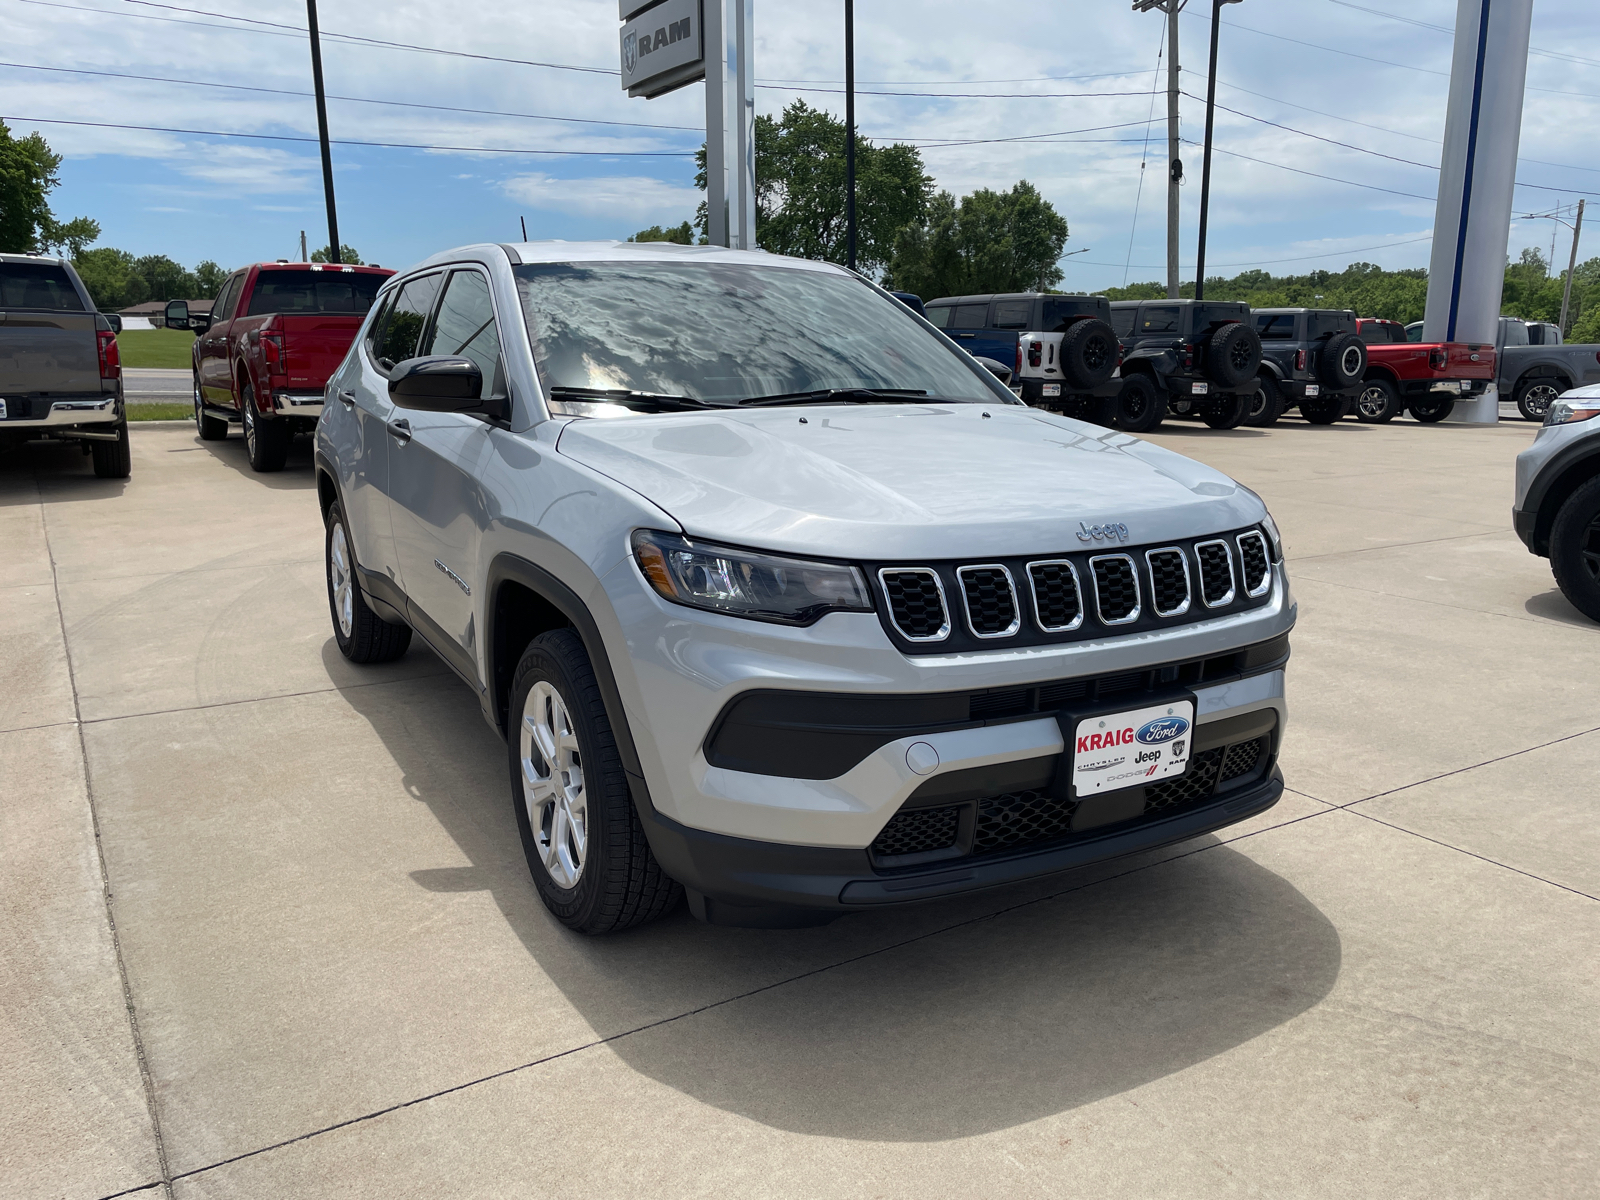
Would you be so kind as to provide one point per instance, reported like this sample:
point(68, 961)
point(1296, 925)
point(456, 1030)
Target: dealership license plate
point(1050, 389)
point(1129, 749)
point(1313, 389)
point(2, 410)
point(1199, 389)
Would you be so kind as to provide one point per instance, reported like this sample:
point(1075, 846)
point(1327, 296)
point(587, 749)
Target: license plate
point(2, 410)
point(1050, 389)
point(1199, 389)
point(1313, 389)
point(1129, 749)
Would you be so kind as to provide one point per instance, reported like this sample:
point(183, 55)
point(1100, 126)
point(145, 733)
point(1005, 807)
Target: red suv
point(276, 333)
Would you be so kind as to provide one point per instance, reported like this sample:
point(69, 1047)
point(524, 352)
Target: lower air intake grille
point(1116, 588)
point(1253, 556)
point(991, 603)
point(1169, 582)
point(1020, 817)
point(916, 604)
point(918, 831)
point(1056, 602)
point(1200, 780)
point(1242, 758)
point(1216, 572)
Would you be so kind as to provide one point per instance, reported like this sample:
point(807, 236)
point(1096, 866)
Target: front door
point(216, 373)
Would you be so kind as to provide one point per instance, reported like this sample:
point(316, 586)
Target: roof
point(556, 252)
point(1168, 300)
point(1296, 311)
point(44, 258)
point(1015, 296)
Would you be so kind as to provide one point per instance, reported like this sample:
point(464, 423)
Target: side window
point(375, 330)
point(1372, 333)
point(222, 306)
point(1277, 327)
point(1159, 319)
point(1122, 320)
point(402, 327)
point(1012, 314)
point(970, 316)
point(465, 325)
point(939, 314)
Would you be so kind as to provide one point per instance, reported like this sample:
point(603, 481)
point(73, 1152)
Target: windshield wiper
point(854, 395)
point(628, 398)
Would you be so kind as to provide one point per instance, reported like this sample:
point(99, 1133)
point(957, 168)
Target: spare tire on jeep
point(1088, 353)
point(1342, 361)
point(1233, 355)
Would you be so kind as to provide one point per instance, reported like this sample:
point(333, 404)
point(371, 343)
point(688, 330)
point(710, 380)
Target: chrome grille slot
point(1254, 563)
point(1216, 572)
point(991, 600)
point(1057, 601)
point(916, 603)
point(1116, 588)
point(1169, 581)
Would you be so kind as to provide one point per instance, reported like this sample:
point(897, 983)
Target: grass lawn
point(155, 347)
point(160, 412)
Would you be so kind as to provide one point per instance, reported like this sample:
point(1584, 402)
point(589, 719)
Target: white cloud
point(638, 198)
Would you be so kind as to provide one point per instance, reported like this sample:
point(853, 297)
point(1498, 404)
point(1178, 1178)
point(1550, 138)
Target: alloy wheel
point(1350, 363)
point(249, 417)
point(1372, 402)
point(1538, 398)
point(552, 784)
point(199, 408)
point(342, 577)
point(1258, 403)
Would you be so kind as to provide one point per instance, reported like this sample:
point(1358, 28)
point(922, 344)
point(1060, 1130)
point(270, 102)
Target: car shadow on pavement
point(934, 1022)
point(297, 471)
point(1553, 606)
point(59, 467)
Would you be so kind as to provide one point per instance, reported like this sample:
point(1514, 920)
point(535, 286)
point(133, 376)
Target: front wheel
point(113, 460)
point(1379, 402)
point(266, 442)
point(1323, 410)
point(584, 842)
point(362, 635)
point(1535, 397)
point(1266, 404)
point(1575, 549)
point(1228, 412)
point(1139, 407)
point(1431, 411)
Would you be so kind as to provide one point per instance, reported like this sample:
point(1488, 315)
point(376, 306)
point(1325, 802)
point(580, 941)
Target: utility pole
point(303, 257)
point(850, 132)
point(1205, 170)
point(1174, 163)
point(1572, 265)
point(322, 131)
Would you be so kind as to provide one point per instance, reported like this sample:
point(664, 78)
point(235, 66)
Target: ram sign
point(662, 46)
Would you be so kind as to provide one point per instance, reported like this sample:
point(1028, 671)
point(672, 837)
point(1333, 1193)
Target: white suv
point(778, 598)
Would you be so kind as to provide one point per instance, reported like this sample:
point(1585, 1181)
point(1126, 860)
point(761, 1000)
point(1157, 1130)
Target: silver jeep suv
point(777, 597)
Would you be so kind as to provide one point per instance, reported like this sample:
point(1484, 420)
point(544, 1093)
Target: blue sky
point(239, 200)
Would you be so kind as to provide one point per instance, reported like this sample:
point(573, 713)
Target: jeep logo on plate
point(1162, 729)
point(1111, 531)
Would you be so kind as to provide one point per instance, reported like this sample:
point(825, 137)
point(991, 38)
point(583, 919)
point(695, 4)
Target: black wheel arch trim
point(1564, 474)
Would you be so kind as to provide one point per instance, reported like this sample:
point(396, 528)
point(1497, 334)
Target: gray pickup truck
point(1533, 367)
point(60, 376)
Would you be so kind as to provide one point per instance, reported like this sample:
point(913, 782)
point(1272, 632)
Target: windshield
point(722, 333)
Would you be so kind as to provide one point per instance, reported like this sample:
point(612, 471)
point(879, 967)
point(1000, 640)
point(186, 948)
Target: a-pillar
point(1483, 125)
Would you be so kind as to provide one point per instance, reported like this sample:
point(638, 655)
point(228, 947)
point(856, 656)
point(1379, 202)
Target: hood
point(912, 481)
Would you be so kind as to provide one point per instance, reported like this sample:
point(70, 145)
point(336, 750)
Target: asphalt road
point(266, 929)
point(157, 385)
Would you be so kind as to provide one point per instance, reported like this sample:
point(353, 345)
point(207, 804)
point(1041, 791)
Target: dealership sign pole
point(668, 44)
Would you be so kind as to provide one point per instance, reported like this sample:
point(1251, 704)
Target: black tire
point(1323, 410)
point(1431, 411)
point(1342, 361)
point(363, 636)
point(113, 460)
point(1088, 353)
point(1266, 403)
point(1139, 407)
point(1233, 355)
point(1534, 396)
point(618, 883)
point(1575, 549)
point(266, 442)
point(211, 429)
point(1228, 411)
point(1378, 403)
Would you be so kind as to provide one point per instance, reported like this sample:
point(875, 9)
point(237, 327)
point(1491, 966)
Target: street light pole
point(850, 132)
point(1174, 162)
point(322, 131)
point(1572, 265)
point(1205, 170)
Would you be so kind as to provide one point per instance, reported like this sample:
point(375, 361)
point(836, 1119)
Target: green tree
point(800, 189)
point(208, 278)
point(166, 279)
point(988, 242)
point(29, 172)
point(112, 277)
point(347, 255)
point(682, 234)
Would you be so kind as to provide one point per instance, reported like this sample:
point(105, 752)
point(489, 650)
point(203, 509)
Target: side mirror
point(114, 320)
point(441, 383)
point(996, 368)
point(177, 314)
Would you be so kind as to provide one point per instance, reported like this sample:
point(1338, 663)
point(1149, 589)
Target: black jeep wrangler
point(1189, 357)
point(1062, 348)
point(1310, 357)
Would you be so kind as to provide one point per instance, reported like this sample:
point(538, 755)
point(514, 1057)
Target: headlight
point(1572, 408)
point(744, 583)
point(1271, 529)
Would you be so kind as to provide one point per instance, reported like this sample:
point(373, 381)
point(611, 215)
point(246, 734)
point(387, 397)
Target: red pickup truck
point(276, 334)
point(1425, 377)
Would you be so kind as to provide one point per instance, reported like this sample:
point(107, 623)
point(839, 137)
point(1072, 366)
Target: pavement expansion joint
point(1486, 531)
point(1419, 600)
point(162, 712)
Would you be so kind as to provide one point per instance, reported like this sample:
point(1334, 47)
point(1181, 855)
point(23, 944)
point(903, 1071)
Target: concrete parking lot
point(266, 929)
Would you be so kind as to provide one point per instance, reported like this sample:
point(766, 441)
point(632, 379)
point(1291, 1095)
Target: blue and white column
point(1483, 126)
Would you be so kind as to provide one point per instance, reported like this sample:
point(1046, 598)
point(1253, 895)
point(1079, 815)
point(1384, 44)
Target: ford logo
point(1163, 729)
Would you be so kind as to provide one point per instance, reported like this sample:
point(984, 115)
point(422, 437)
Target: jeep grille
point(1216, 572)
point(1169, 581)
point(916, 603)
point(991, 600)
point(1116, 588)
point(1057, 603)
point(1253, 558)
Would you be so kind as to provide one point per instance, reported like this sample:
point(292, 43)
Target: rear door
point(1008, 320)
point(47, 337)
point(967, 324)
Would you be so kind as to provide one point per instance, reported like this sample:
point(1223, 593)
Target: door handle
point(966, 335)
point(400, 430)
point(348, 399)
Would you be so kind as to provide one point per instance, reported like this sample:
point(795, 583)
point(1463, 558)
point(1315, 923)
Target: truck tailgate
point(45, 351)
point(315, 345)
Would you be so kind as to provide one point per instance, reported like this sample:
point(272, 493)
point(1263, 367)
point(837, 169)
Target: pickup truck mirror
point(996, 368)
point(114, 320)
point(440, 383)
point(177, 314)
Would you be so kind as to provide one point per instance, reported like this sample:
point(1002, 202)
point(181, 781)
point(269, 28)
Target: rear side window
point(939, 315)
point(402, 327)
point(1059, 313)
point(37, 285)
point(1373, 333)
point(465, 326)
point(1206, 315)
point(970, 316)
point(1012, 314)
point(1322, 324)
point(313, 292)
point(1122, 320)
point(1159, 319)
point(1275, 327)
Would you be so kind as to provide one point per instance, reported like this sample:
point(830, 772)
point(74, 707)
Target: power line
point(1378, 12)
point(945, 144)
point(1410, 162)
point(1272, 262)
